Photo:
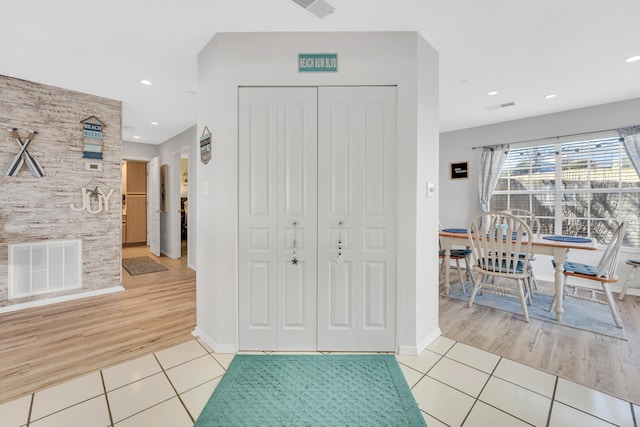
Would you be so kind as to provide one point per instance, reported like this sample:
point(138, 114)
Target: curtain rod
point(550, 137)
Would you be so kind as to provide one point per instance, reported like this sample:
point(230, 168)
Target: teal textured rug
point(312, 390)
point(585, 315)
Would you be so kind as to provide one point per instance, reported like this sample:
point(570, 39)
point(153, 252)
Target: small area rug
point(312, 390)
point(141, 265)
point(585, 315)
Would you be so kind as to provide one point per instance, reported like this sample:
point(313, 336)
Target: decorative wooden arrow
point(13, 167)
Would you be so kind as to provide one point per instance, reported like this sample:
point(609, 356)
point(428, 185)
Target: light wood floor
point(607, 364)
point(44, 346)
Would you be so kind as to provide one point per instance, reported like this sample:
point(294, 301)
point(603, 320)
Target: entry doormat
point(141, 265)
point(312, 390)
point(585, 315)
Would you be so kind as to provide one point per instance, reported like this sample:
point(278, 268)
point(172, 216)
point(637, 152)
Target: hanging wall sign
point(205, 146)
point(92, 134)
point(317, 62)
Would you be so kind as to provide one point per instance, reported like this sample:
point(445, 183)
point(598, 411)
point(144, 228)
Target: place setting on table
point(569, 312)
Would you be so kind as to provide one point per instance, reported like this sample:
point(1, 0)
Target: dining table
point(540, 244)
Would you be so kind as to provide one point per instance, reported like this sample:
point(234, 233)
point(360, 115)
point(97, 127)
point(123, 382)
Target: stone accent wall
point(36, 209)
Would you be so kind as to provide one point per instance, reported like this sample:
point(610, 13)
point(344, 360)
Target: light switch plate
point(431, 189)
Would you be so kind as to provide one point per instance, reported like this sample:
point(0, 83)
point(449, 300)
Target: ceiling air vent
point(320, 8)
point(498, 106)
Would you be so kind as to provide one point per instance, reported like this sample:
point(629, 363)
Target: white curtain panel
point(630, 137)
point(491, 162)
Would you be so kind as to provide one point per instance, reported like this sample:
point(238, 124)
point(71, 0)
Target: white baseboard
point(218, 348)
point(56, 300)
point(420, 347)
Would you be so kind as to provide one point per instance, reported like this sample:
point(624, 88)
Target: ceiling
point(522, 49)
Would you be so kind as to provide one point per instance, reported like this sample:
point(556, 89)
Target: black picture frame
point(459, 170)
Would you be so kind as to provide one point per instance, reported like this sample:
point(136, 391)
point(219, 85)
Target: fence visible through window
point(576, 188)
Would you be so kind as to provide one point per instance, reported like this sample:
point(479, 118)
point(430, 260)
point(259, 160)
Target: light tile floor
point(454, 385)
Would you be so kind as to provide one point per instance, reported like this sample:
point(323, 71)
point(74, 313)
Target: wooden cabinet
point(134, 208)
point(134, 177)
point(136, 226)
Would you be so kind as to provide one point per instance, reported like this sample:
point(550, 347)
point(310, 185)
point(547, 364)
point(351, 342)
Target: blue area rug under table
point(584, 315)
point(312, 390)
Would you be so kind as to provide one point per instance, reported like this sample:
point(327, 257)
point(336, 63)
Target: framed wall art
point(164, 187)
point(459, 170)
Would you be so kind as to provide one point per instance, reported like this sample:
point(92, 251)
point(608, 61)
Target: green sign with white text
point(317, 62)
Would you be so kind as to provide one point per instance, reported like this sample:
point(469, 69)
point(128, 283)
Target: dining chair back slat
point(501, 245)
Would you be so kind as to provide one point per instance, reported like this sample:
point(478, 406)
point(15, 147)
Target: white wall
point(188, 141)
point(169, 152)
point(270, 59)
point(138, 151)
point(459, 198)
point(37, 209)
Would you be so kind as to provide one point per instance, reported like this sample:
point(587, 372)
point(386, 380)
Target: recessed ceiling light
point(633, 59)
point(145, 82)
point(550, 95)
point(493, 92)
point(136, 137)
point(154, 123)
point(129, 128)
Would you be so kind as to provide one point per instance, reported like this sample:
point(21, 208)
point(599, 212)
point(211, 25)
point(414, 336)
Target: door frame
point(175, 246)
point(396, 323)
point(140, 159)
point(153, 191)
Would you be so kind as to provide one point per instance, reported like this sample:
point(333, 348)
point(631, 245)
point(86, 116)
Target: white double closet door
point(317, 213)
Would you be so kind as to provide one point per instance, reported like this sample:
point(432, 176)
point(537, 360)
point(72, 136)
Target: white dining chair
point(501, 246)
point(604, 273)
point(634, 263)
point(534, 223)
point(458, 255)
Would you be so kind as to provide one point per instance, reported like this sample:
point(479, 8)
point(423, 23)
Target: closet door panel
point(297, 215)
point(356, 155)
point(259, 295)
point(378, 219)
point(277, 218)
point(337, 220)
point(339, 160)
point(375, 295)
point(261, 169)
point(373, 160)
point(257, 232)
point(341, 316)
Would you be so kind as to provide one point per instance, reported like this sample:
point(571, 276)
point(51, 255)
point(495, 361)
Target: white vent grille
point(304, 3)
point(320, 8)
point(498, 106)
point(44, 267)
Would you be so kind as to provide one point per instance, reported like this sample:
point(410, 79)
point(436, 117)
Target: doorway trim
point(174, 247)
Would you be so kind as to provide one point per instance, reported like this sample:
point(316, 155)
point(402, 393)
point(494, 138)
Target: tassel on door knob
point(340, 261)
point(294, 260)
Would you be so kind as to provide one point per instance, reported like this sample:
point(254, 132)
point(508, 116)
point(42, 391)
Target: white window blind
point(575, 188)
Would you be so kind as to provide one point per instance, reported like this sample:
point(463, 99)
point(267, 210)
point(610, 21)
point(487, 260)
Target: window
point(575, 188)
